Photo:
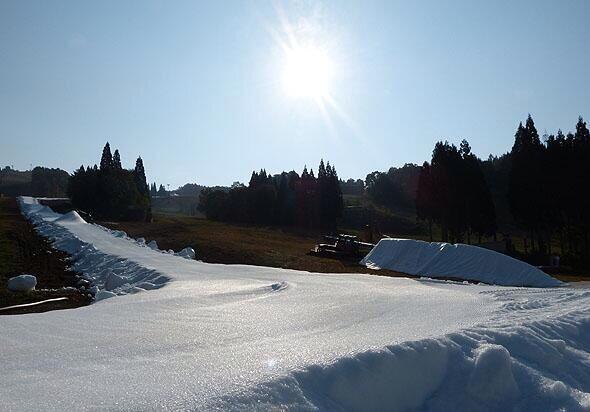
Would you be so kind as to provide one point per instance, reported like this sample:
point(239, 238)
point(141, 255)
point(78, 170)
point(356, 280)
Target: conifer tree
point(139, 177)
point(106, 161)
point(424, 197)
point(117, 160)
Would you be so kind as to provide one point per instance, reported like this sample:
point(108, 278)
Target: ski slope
point(190, 335)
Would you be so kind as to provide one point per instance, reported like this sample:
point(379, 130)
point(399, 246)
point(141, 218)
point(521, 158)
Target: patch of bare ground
point(23, 251)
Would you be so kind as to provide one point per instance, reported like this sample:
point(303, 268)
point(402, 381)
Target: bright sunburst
point(307, 72)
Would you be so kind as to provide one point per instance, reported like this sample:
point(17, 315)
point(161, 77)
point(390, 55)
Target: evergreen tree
point(117, 160)
point(139, 176)
point(106, 161)
point(110, 192)
point(526, 189)
point(425, 209)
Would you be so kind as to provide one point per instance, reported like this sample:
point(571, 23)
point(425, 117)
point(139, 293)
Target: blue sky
point(195, 87)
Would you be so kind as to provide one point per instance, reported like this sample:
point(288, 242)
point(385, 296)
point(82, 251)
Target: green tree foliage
point(49, 182)
point(394, 189)
point(41, 182)
point(111, 192)
point(117, 160)
point(453, 193)
point(425, 207)
point(526, 180)
point(548, 190)
point(283, 199)
point(106, 160)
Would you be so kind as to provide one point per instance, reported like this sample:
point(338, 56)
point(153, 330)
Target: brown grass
point(217, 242)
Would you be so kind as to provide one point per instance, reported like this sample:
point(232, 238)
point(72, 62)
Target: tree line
point(541, 186)
point(109, 191)
point(453, 193)
point(283, 199)
point(548, 190)
point(40, 182)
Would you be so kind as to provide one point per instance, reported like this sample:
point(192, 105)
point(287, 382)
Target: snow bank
point(22, 283)
point(416, 257)
point(105, 272)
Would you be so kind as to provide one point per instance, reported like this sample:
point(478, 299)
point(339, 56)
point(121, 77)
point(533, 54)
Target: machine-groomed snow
point(246, 338)
point(435, 259)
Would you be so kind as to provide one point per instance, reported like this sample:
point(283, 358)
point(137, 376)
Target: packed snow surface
point(22, 283)
point(238, 337)
point(434, 259)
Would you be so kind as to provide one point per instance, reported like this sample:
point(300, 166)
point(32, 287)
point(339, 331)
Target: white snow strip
point(435, 259)
point(27, 305)
point(239, 337)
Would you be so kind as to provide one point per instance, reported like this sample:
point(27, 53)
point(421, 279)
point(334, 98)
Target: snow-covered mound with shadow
point(435, 259)
point(238, 337)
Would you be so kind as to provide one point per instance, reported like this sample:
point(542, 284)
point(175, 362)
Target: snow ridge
point(109, 273)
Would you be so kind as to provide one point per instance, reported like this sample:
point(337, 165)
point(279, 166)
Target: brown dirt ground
point(22, 250)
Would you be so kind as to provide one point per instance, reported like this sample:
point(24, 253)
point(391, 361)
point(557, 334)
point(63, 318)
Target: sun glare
point(307, 73)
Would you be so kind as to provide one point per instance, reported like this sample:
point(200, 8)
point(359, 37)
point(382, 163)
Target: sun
point(307, 72)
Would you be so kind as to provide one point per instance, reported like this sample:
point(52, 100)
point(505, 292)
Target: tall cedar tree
point(109, 192)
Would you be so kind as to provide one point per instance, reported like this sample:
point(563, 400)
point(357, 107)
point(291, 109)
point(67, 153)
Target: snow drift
point(416, 257)
point(235, 337)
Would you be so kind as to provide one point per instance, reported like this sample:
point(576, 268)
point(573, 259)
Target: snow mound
point(416, 257)
point(22, 283)
point(70, 217)
point(492, 379)
point(118, 233)
point(187, 253)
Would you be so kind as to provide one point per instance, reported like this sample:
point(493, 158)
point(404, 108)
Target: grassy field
point(218, 242)
point(23, 251)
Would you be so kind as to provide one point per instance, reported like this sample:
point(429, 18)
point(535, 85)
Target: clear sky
point(198, 88)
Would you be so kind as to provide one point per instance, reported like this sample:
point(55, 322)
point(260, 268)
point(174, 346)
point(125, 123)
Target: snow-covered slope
point(245, 338)
point(435, 259)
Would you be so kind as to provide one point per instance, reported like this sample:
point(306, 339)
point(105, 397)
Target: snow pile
point(187, 253)
point(236, 337)
point(22, 283)
point(70, 217)
point(416, 257)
